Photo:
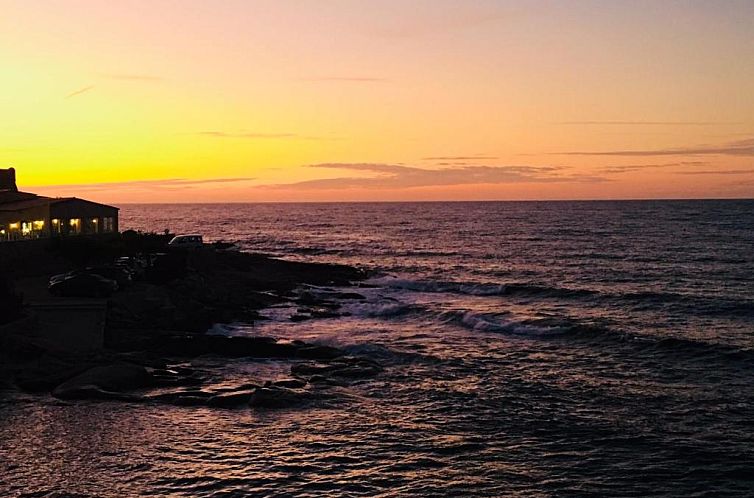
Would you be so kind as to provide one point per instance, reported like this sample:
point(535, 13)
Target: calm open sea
point(531, 349)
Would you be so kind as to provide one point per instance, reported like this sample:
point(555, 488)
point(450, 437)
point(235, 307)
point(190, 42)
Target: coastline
point(163, 320)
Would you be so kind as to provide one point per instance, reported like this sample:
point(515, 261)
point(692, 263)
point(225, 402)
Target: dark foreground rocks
point(155, 325)
point(219, 287)
point(146, 377)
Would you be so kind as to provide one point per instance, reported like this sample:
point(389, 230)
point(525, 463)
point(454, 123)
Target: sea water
point(530, 349)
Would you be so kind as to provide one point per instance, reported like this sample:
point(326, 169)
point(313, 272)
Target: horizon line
point(459, 201)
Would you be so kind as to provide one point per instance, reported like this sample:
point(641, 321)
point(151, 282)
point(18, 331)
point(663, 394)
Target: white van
point(191, 241)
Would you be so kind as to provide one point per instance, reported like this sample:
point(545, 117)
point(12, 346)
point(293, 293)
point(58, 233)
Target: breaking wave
point(709, 304)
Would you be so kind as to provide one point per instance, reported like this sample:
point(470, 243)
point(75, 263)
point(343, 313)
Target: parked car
point(82, 285)
point(120, 275)
point(191, 241)
point(134, 265)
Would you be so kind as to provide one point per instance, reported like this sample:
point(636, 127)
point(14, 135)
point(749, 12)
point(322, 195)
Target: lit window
point(38, 225)
point(13, 226)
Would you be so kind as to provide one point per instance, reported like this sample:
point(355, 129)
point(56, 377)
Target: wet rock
point(323, 381)
point(48, 373)
point(190, 401)
point(230, 400)
point(232, 347)
point(118, 377)
point(319, 352)
point(168, 378)
point(291, 383)
point(277, 397)
point(183, 398)
point(250, 386)
point(92, 392)
point(324, 313)
point(307, 369)
point(357, 371)
point(338, 371)
point(348, 295)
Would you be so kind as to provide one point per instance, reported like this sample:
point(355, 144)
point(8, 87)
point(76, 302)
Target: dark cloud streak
point(151, 184)
point(738, 148)
point(263, 136)
point(459, 158)
point(79, 91)
point(349, 79)
point(638, 167)
point(131, 77)
point(394, 176)
point(644, 123)
point(718, 172)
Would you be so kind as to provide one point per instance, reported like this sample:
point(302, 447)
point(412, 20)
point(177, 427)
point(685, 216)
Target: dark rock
point(183, 398)
point(232, 347)
point(48, 373)
point(176, 380)
point(93, 392)
point(319, 352)
point(231, 399)
point(307, 369)
point(336, 371)
point(190, 401)
point(348, 295)
point(324, 313)
point(250, 386)
point(118, 377)
point(291, 383)
point(357, 371)
point(355, 360)
point(277, 397)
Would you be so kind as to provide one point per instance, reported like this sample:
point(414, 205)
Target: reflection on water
point(568, 351)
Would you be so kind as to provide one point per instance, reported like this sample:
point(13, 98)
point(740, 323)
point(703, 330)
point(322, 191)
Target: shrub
point(11, 303)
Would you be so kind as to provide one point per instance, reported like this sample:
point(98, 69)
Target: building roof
point(27, 201)
point(22, 204)
point(7, 196)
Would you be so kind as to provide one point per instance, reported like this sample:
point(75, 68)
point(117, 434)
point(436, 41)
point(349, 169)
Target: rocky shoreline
point(155, 329)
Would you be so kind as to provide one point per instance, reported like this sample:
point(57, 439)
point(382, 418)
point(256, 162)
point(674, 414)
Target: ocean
point(530, 349)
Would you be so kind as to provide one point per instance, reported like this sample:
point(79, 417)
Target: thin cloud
point(130, 77)
point(263, 136)
point(718, 172)
point(349, 79)
point(79, 91)
point(459, 158)
point(222, 134)
point(627, 168)
point(395, 176)
point(737, 148)
point(645, 123)
point(150, 184)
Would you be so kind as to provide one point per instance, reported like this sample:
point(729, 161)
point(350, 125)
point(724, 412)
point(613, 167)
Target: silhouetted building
point(24, 215)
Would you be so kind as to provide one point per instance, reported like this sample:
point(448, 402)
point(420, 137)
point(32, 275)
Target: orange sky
point(300, 100)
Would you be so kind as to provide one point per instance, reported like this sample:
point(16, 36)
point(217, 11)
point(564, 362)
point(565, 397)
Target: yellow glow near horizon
point(186, 101)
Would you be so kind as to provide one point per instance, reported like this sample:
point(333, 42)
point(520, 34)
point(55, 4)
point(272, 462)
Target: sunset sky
point(329, 100)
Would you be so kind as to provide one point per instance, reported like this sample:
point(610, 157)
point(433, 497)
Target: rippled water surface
point(530, 349)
